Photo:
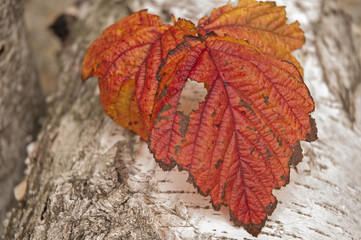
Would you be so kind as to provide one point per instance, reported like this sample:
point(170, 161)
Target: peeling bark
point(92, 179)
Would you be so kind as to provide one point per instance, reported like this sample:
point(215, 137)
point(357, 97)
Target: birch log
point(91, 179)
point(21, 102)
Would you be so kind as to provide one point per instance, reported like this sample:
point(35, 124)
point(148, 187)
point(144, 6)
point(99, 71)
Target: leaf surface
point(238, 144)
point(262, 24)
point(126, 59)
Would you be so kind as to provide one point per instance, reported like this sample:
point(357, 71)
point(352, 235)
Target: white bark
point(92, 179)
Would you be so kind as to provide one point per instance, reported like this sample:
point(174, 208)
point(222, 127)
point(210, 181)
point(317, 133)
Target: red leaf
point(237, 146)
point(126, 59)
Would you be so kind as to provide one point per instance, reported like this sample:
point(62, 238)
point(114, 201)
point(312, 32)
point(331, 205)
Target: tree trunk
point(21, 102)
point(92, 179)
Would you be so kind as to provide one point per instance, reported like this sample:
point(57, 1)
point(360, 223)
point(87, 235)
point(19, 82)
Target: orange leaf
point(262, 24)
point(238, 144)
point(126, 59)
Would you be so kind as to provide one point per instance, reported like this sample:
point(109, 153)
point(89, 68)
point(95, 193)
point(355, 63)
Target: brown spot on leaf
point(224, 190)
point(218, 163)
point(177, 148)
point(184, 122)
point(265, 99)
point(247, 105)
point(163, 93)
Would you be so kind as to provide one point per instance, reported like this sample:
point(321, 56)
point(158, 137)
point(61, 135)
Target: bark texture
point(339, 55)
point(21, 102)
point(91, 179)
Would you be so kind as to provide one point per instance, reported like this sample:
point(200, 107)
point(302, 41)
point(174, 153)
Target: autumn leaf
point(262, 24)
point(238, 145)
point(126, 59)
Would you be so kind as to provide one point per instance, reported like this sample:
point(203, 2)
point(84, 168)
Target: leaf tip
point(84, 77)
point(255, 228)
point(174, 20)
point(88, 66)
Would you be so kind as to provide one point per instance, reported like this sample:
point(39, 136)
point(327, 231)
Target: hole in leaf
point(192, 94)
